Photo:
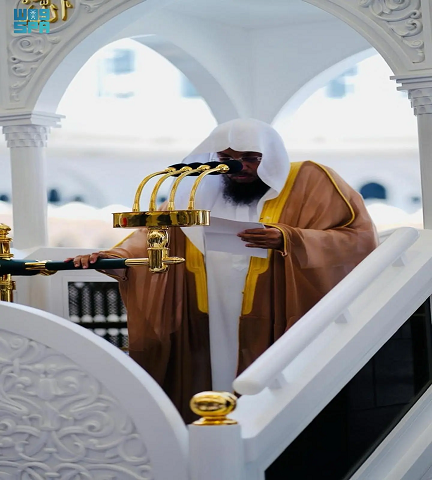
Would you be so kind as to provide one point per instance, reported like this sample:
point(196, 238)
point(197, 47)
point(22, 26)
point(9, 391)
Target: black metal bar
point(21, 267)
point(103, 324)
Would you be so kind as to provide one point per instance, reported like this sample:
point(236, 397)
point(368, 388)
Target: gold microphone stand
point(158, 222)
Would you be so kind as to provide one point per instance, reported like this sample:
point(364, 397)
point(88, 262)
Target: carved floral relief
point(27, 51)
point(57, 421)
point(403, 18)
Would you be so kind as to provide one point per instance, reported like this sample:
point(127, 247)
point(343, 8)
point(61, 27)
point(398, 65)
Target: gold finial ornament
point(7, 286)
point(5, 242)
point(213, 407)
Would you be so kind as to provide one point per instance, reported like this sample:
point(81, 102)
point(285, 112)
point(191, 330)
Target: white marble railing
point(385, 234)
point(333, 307)
point(286, 388)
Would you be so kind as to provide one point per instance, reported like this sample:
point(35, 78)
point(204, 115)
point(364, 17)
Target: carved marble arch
point(396, 28)
point(50, 92)
point(220, 104)
point(75, 407)
point(40, 67)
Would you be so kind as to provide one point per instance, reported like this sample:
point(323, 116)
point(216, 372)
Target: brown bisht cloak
point(327, 232)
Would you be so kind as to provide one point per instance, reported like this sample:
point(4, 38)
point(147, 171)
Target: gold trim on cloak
point(271, 213)
point(195, 264)
point(340, 193)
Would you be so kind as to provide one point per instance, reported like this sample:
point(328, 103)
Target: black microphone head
point(213, 165)
point(234, 165)
point(194, 165)
point(177, 166)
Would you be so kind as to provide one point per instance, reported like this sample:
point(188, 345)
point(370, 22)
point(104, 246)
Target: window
point(373, 191)
point(54, 196)
point(116, 74)
point(339, 88)
point(188, 89)
point(120, 61)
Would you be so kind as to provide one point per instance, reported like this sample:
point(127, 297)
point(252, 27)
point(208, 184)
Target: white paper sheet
point(221, 236)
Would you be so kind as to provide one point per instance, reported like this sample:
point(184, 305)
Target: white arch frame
point(157, 421)
point(48, 89)
point(400, 39)
point(220, 104)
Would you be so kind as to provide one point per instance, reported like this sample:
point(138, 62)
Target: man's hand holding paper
point(226, 236)
point(267, 237)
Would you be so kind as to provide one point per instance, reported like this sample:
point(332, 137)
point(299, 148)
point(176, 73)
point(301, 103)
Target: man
point(198, 326)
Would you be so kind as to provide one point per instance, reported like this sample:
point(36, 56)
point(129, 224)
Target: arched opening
point(323, 80)
point(359, 124)
point(128, 112)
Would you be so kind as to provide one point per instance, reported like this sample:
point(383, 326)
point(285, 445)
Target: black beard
point(243, 193)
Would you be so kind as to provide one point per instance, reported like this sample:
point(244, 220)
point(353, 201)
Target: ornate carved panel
point(57, 421)
point(398, 29)
point(26, 136)
point(28, 53)
point(421, 100)
point(25, 54)
point(403, 20)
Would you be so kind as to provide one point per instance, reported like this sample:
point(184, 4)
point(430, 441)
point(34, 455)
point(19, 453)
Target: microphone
point(179, 166)
point(234, 166)
point(213, 165)
point(194, 166)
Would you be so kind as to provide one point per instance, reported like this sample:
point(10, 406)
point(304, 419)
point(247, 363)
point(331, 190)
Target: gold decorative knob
point(5, 242)
point(213, 407)
point(4, 229)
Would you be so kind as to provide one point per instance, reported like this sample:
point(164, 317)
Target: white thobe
point(226, 275)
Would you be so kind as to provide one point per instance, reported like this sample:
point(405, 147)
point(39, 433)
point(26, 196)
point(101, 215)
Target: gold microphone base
point(168, 218)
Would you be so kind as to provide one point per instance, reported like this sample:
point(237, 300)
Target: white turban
point(242, 135)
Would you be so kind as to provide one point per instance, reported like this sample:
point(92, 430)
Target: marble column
point(26, 136)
